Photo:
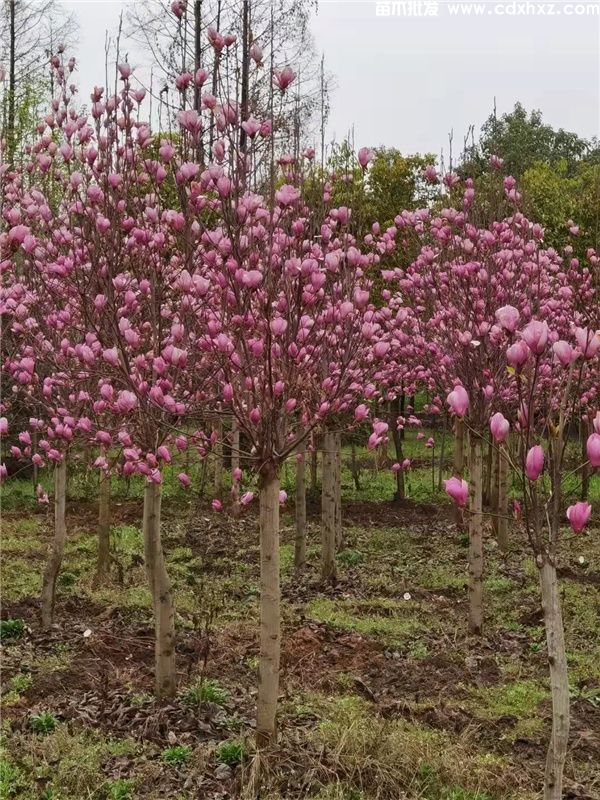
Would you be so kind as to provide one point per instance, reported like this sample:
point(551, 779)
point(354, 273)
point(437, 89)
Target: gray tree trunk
point(57, 548)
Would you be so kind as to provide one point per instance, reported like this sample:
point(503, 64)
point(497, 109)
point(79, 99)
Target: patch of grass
point(57, 661)
point(206, 692)
point(351, 558)
point(178, 755)
point(519, 699)
point(120, 789)
point(389, 756)
point(44, 722)
point(21, 577)
point(63, 765)
point(438, 577)
point(230, 753)
point(12, 781)
point(393, 621)
point(11, 629)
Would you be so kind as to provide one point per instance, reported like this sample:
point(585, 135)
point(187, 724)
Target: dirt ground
point(383, 692)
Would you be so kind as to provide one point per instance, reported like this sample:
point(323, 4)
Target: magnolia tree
point(453, 301)
point(555, 381)
point(102, 304)
point(293, 335)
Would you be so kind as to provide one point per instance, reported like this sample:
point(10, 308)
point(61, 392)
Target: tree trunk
point(270, 613)
point(400, 492)
point(328, 521)
point(488, 481)
point(300, 541)
point(12, 83)
point(337, 490)
point(218, 461)
point(585, 464)
point(354, 468)
point(162, 601)
point(459, 465)
point(475, 538)
point(559, 682)
point(57, 548)
point(495, 490)
point(103, 570)
point(314, 466)
point(245, 70)
point(235, 465)
point(502, 505)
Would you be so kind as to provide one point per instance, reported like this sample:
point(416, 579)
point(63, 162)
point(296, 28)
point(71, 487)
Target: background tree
point(29, 32)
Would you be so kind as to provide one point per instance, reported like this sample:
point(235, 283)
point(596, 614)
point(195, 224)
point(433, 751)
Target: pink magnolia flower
point(184, 480)
point(535, 335)
point(282, 496)
point(217, 505)
point(458, 400)
point(564, 353)
point(588, 341)
point(283, 77)
point(3, 426)
point(396, 467)
point(247, 498)
point(593, 449)
point(364, 156)
point(579, 515)
point(406, 464)
point(458, 490)
point(517, 510)
point(534, 463)
point(517, 354)
point(430, 442)
point(508, 317)
point(499, 426)
point(361, 412)
point(3, 472)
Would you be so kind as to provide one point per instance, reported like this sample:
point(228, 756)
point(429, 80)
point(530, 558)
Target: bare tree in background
point(278, 28)
point(30, 31)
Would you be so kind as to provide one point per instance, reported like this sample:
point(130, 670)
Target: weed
point(11, 779)
point(206, 692)
point(350, 558)
point(44, 722)
point(178, 755)
point(11, 628)
point(120, 789)
point(230, 753)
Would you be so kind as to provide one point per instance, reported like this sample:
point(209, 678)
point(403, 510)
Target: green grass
point(208, 691)
point(178, 755)
point(395, 622)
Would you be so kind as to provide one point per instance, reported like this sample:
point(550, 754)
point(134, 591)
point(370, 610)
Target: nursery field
point(383, 692)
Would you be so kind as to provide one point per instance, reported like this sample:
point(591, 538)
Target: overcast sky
point(406, 80)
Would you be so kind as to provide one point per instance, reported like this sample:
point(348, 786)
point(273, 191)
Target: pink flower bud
point(247, 498)
point(593, 449)
point(217, 505)
point(517, 354)
point(361, 412)
point(282, 497)
point(534, 463)
point(579, 515)
point(184, 480)
point(458, 400)
point(499, 426)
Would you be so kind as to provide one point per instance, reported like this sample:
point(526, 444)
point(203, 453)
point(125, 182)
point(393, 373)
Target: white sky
point(405, 81)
